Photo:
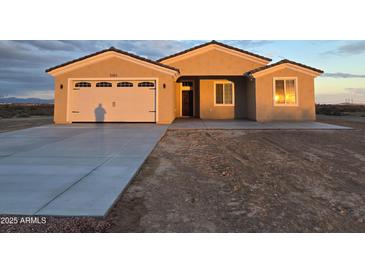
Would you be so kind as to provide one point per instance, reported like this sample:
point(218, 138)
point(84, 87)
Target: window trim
point(233, 93)
point(296, 91)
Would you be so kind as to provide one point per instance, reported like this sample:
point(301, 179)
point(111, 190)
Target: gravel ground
point(239, 181)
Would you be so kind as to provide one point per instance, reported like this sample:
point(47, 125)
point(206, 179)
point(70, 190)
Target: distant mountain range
point(15, 100)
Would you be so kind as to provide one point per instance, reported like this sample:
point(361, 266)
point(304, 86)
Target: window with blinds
point(224, 94)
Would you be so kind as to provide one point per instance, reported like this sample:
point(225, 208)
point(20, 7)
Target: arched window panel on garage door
point(83, 85)
point(124, 85)
point(103, 85)
point(146, 84)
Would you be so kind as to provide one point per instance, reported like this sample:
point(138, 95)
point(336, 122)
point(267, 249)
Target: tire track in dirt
point(292, 156)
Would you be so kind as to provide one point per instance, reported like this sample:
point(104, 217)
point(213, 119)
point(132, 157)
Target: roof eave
point(213, 42)
point(56, 69)
point(301, 67)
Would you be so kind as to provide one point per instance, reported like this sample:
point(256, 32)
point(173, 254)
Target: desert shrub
point(339, 110)
point(23, 115)
point(25, 110)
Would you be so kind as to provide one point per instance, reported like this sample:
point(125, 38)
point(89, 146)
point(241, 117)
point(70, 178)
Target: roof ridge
point(211, 43)
point(117, 51)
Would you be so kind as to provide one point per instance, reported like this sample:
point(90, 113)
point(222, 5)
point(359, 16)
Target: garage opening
point(114, 100)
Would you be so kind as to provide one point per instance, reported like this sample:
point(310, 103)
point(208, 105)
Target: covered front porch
point(214, 97)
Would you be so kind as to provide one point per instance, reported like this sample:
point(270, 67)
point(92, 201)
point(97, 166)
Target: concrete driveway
point(73, 170)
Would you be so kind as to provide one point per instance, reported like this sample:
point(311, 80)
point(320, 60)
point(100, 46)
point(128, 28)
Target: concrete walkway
point(74, 170)
point(192, 123)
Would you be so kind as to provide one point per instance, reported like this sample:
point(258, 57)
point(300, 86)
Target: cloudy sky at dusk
point(22, 63)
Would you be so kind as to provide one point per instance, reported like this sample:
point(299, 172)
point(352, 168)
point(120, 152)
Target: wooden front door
point(187, 98)
point(187, 103)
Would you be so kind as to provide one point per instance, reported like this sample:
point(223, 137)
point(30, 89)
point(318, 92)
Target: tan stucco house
point(210, 81)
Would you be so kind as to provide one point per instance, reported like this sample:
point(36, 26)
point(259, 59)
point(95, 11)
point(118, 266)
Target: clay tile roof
point(284, 61)
point(115, 50)
point(213, 42)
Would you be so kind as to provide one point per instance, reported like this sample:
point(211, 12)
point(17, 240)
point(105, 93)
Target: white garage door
point(113, 101)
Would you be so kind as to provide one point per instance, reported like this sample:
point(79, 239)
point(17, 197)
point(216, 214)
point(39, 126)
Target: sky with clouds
point(22, 63)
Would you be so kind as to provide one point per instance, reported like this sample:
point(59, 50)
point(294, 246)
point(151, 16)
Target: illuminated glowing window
point(285, 91)
point(224, 94)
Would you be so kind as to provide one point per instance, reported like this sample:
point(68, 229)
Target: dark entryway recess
point(187, 103)
point(241, 93)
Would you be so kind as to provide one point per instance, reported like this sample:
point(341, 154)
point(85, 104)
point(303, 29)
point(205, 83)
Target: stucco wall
point(118, 68)
point(207, 108)
point(60, 101)
point(265, 109)
point(213, 62)
point(177, 100)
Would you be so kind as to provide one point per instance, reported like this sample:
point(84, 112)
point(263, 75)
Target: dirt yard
point(240, 181)
point(9, 124)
